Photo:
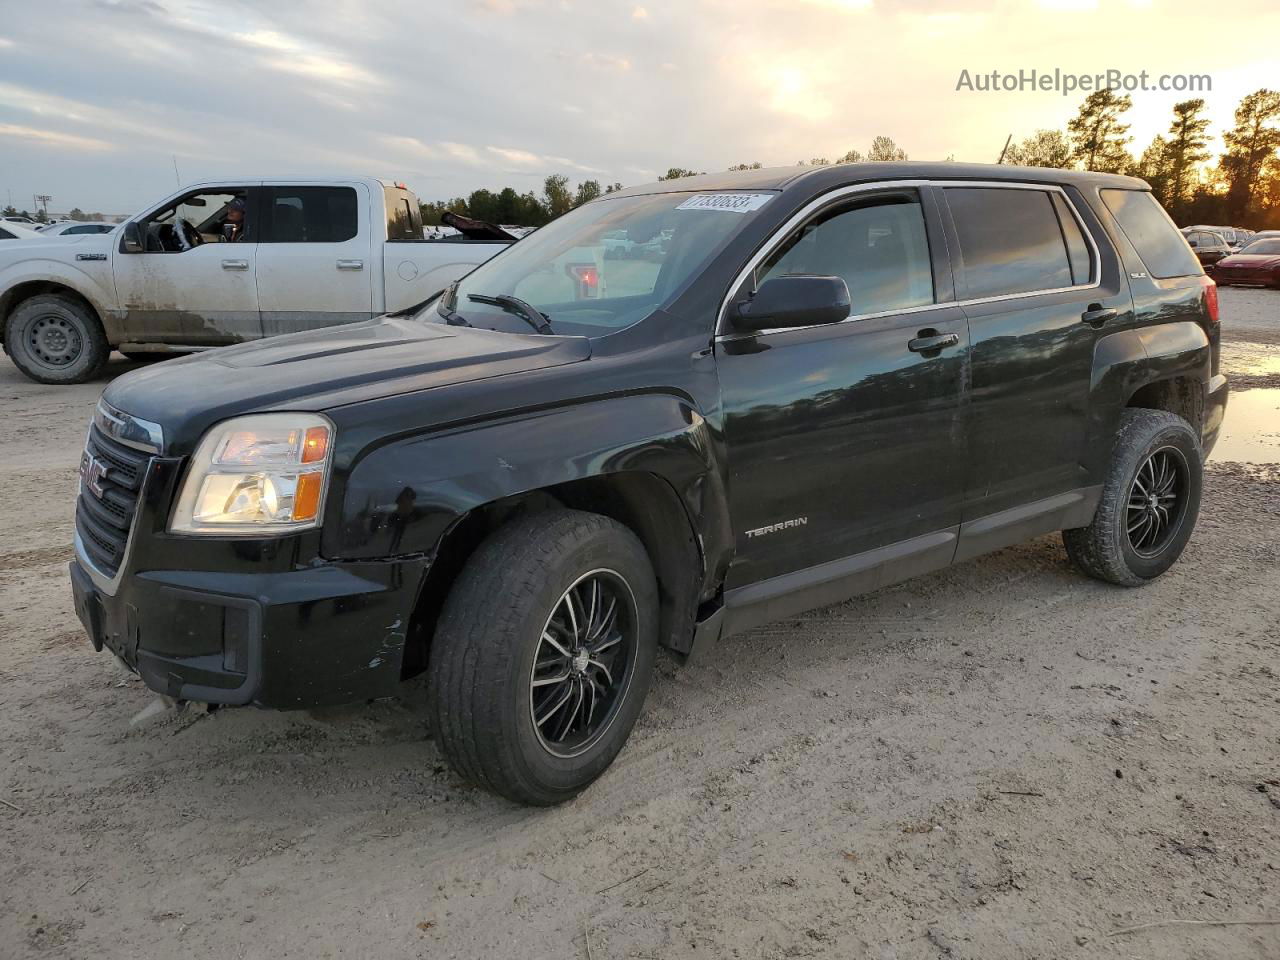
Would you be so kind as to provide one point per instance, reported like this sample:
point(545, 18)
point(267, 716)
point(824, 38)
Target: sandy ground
point(1004, 759)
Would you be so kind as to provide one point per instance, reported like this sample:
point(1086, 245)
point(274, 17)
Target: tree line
point(526, 209)
point(41, 217)
point(1242, 188)
point(529, 209)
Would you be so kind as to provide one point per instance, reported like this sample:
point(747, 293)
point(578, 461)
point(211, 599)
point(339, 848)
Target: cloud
point(461, 151)
point(844, 5)
point(520, 158)
point(292, 55)
point(52, 138)
point(605, 61)
point(411, 145)
point(452, 96)
point(107, 121)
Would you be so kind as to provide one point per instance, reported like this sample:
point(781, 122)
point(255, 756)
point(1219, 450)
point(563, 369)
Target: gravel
point(1003, 759)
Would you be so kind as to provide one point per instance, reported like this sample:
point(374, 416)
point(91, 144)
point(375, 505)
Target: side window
point(1077, 250)
point(878, 246)
point(404, 222)
point(5, 234)
point(209, 216)
point(310, 214)
point(1152, 233)
point(1010, 240)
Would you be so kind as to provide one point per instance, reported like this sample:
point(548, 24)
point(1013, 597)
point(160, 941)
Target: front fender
point(400, 499)
point(92, 279)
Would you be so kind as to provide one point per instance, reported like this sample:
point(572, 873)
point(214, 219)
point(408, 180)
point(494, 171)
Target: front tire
point(543, 655)
point(56, 339)
point(1150, 501)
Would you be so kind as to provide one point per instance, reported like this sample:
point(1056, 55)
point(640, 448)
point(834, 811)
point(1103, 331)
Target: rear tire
point(56, 339)
point(1150, 501)
point(586, 582)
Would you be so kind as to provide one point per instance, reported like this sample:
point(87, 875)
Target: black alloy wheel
point(583, 663)
point(1157, 501)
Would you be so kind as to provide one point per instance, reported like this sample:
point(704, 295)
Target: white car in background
point(16, 230)
point(74, 228)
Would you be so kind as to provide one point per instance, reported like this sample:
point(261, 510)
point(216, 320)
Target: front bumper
point(312, 637)
point(262, 622)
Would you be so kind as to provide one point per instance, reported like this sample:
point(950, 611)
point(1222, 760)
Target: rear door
point(315, 267)
point(1030, 274)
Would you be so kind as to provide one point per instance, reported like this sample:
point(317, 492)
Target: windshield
point(1266, 247)
point(604, 266)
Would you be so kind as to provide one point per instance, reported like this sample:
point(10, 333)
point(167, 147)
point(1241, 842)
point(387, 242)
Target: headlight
point(260, 474)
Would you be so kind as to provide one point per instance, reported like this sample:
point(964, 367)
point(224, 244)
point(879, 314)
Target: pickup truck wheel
point(55, 339)
point(543, 654)
point(1150, 501)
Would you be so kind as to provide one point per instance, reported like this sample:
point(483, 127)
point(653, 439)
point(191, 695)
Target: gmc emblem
point(92, 472)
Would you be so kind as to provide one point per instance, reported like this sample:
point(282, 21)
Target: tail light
point(1211, 300)
point(587, 278)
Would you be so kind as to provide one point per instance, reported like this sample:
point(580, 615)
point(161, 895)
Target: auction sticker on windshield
point(732, 202)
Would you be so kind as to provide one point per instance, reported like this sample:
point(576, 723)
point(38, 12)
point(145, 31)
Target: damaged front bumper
point(247, 622)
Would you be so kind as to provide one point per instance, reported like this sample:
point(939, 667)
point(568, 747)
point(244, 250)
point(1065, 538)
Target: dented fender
point(401, 498)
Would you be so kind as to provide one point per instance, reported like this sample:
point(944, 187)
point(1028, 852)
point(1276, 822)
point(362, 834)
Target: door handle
point(235, 264)
point(1096, 316)
point(350, 264)
point(930, 341)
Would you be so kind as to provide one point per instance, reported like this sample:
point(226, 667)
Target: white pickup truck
point(221, 262)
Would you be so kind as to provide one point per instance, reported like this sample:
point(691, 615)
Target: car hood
point(321, 369)
point(25, 241)
point(1255, 260)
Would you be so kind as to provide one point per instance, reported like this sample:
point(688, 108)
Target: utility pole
point(43, 199)
point(1008, 141)
point(176, 175)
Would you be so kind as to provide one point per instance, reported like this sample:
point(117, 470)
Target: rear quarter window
point(404, 216)
point(1164, 251)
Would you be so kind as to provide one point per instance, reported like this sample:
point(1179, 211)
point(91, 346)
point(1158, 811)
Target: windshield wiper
point(526, 311)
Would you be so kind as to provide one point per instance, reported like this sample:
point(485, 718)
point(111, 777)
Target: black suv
point(675, 413)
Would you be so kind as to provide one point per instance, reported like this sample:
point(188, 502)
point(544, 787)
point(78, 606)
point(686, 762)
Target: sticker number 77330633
point(730, 202)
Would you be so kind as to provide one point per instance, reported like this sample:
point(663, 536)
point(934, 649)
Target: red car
point(1257, 265)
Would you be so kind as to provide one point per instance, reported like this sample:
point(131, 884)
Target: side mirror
point(802, 300)
point(131, 239)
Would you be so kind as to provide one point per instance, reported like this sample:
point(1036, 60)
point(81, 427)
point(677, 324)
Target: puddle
point(1249, 366)
point(1251, 430)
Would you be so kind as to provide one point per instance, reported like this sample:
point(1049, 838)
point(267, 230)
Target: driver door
point(185, 292)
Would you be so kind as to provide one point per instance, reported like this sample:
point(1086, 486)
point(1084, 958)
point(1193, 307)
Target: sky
point(99, 99)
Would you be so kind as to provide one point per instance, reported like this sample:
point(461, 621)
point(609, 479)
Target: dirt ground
point(1004, 759)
